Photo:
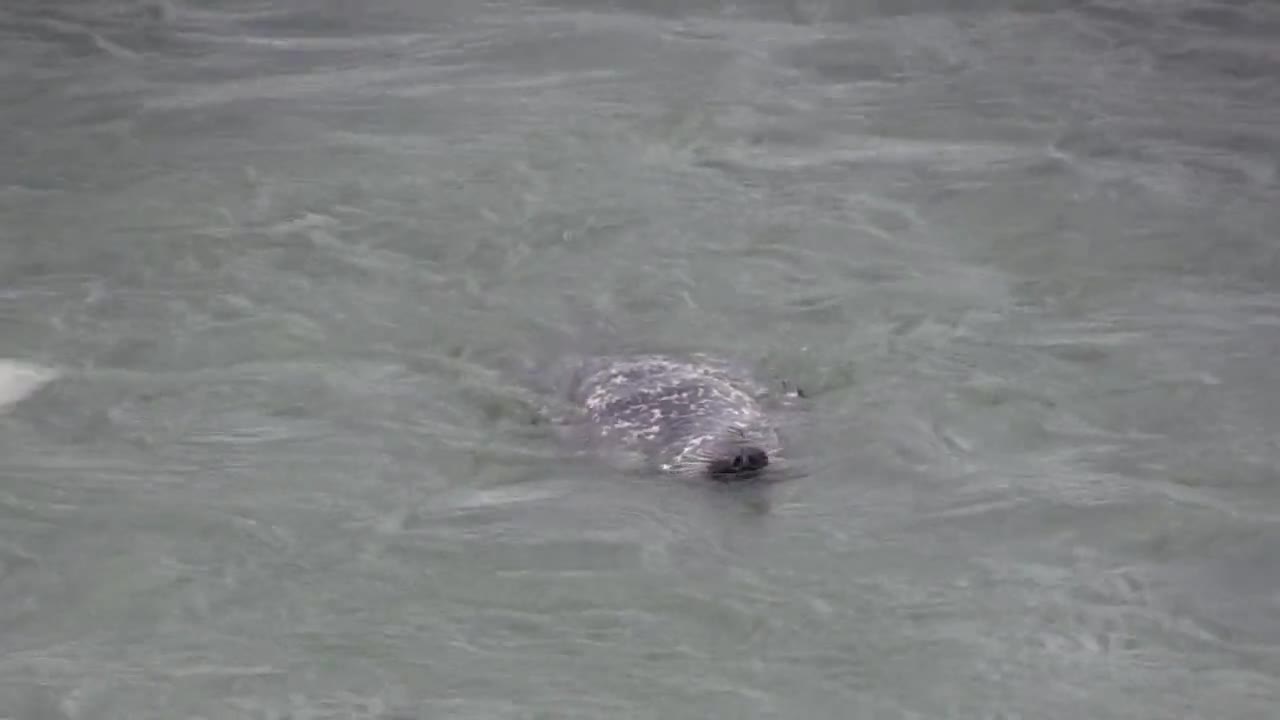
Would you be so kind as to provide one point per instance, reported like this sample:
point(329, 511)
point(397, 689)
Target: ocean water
point(262, 265)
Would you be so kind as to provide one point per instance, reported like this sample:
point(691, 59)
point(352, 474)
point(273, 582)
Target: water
point(1022, 258)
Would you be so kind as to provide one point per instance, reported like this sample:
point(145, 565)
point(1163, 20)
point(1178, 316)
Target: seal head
point(692, 417)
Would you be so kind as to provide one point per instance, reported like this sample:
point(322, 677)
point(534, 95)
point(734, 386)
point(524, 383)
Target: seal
point(694, 417)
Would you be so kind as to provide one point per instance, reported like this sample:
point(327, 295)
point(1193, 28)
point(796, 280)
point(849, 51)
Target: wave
point(19, 380)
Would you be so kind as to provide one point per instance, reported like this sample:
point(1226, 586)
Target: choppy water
point(1023, 258)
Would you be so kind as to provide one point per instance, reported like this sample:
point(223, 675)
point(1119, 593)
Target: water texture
point(1021, 256)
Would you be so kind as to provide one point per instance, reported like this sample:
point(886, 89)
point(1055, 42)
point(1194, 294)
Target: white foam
point(19, 380)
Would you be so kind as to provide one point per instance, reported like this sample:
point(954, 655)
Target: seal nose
point(748, 459)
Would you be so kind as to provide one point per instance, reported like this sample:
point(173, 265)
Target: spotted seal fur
point(694, 417)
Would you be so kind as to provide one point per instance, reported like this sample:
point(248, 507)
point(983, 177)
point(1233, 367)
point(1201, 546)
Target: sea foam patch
point(19, 380)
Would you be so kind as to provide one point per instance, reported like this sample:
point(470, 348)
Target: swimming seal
point(695, 417)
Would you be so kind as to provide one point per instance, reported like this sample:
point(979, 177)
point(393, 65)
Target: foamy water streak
point(19, 380)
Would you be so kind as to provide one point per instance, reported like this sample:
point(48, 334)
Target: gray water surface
point(1021, 256)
